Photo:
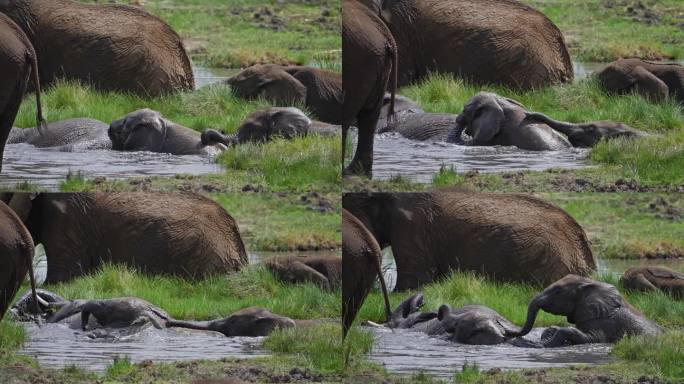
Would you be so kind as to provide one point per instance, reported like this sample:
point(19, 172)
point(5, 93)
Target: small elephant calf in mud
point(325, 271)
point(653, 278)
point(114, 313)
point(252, 321)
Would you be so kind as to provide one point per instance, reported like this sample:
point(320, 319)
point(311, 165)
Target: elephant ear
point(147, 137)
point(283, 89)
point(487, 122)
point(597, 301)
point(21, 204)
point(288, 123)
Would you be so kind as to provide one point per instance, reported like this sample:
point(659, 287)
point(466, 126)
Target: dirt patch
point(662, 209)
point(637, 10)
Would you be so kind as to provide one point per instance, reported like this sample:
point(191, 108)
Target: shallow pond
point(47, 168)
point(207, 76)
point(419, 161)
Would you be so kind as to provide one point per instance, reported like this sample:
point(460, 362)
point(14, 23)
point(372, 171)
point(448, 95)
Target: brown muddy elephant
point(655, 81)
point(325, 271)
point(16, 258)
point(251, 321)
point(508, 237)
point(369, 58)
point(181, 234)
point(113, 47)
point(319, 90)
point(361, 257)
point(18, 65)
point(500, 42)
point(600, 313)
point(654, 278)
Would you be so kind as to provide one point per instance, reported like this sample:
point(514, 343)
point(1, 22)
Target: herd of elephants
point(386, 44)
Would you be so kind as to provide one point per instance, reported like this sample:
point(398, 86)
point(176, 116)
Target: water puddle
point(404, 352)
point(206, 76)
point(420, 161)
point(58, 346)
point(46, 168)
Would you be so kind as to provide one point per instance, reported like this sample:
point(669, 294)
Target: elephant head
point(483, 117)
point(264, 124)
point(141, 130)
point(269, 81)
point(578, 298)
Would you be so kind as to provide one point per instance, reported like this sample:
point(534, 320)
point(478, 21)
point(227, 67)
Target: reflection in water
point(58, 346)
point(46, 168)
point(405, 352)
point(419, 161)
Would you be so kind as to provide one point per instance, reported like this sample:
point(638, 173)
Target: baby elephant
point(65, 135)
point(325, 271)
point(596, 308)
point(654, 278)
point(656, 81)
point(252, 321)
point(114, 313)
point(147, 130)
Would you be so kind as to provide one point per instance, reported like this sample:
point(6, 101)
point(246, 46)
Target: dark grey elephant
point(65, 135)
point(148, 130)
point(403, 107)
point(24, 308)
point(319, 90)
point(325, 271)
point(599, 312)
point(112, 313)
point(252, 321)
point(423, 126)
point(656, 81)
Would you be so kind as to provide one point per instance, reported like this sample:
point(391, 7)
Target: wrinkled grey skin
point(653, 278)
point(65, 135)
point(252, 321)
point(114, 313)
point(491, 119)
point(403, 106)
point(24, 309)
point(653, 80)
point(597, 309)
point(266, 124)
point(424, 126)
point(148, 130)
point(470, 324)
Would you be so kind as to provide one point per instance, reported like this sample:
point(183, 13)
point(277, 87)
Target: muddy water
point(47, 168)
point(419, 161)
point(405, 352)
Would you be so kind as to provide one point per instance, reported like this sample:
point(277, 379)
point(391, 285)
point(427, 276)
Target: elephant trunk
point(532, 310)
point(199, 325)
point(213, 137)
point(560, 126)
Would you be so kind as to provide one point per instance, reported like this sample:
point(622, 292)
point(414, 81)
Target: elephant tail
point(199, 325)
point(213, 137)
point(383, 288)
point(560, 126)
point(393, 53)
point(40, 121)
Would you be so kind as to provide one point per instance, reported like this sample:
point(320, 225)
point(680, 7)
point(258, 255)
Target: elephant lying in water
point(113, 313)
point(65, 135)
point(654, 278)
point(24, 309)
point(600, 313)
point(490, 119)
point(252, 321)
point(326, 271)
point(423, 126)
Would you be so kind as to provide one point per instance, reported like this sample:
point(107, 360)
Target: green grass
point(595, 32)
point(661, 355)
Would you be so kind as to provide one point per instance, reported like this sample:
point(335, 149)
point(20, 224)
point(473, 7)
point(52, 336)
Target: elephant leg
point(649, 85)
point(560, 337)
point(363, 158)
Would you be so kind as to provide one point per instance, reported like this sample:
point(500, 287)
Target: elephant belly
point(424, 126)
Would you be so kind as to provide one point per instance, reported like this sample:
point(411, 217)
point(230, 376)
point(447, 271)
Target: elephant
point(653, 278)
point(656, 81)
point(360, 265)
point(251, 321)
point(265, 124)
point(148, 130)
point(181, 234)
point(24, 308)
point(319, 90)
point(494, 234)
point(600, 313)
point(403, 107)
point(491, 119)
point(485, 41)
point(369, 55)
point(113, 313)
point(423, 126)
point(16, 253)
point(325, 271)
point(110, 46)
point(18, 65)
point(65, 135)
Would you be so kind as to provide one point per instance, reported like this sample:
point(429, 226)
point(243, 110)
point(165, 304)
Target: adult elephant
point(18, 65)
point(325, 271)
point(113, 47)
point(369, 55)
point(361, 257)
point(65, 135)
point(600, 314)
point(157, 233)
point(654, 278)
point(435, 233)
point(499, 42)
point(16, 257)
point(423, 126)
point(656, 81)
point(319, 90)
